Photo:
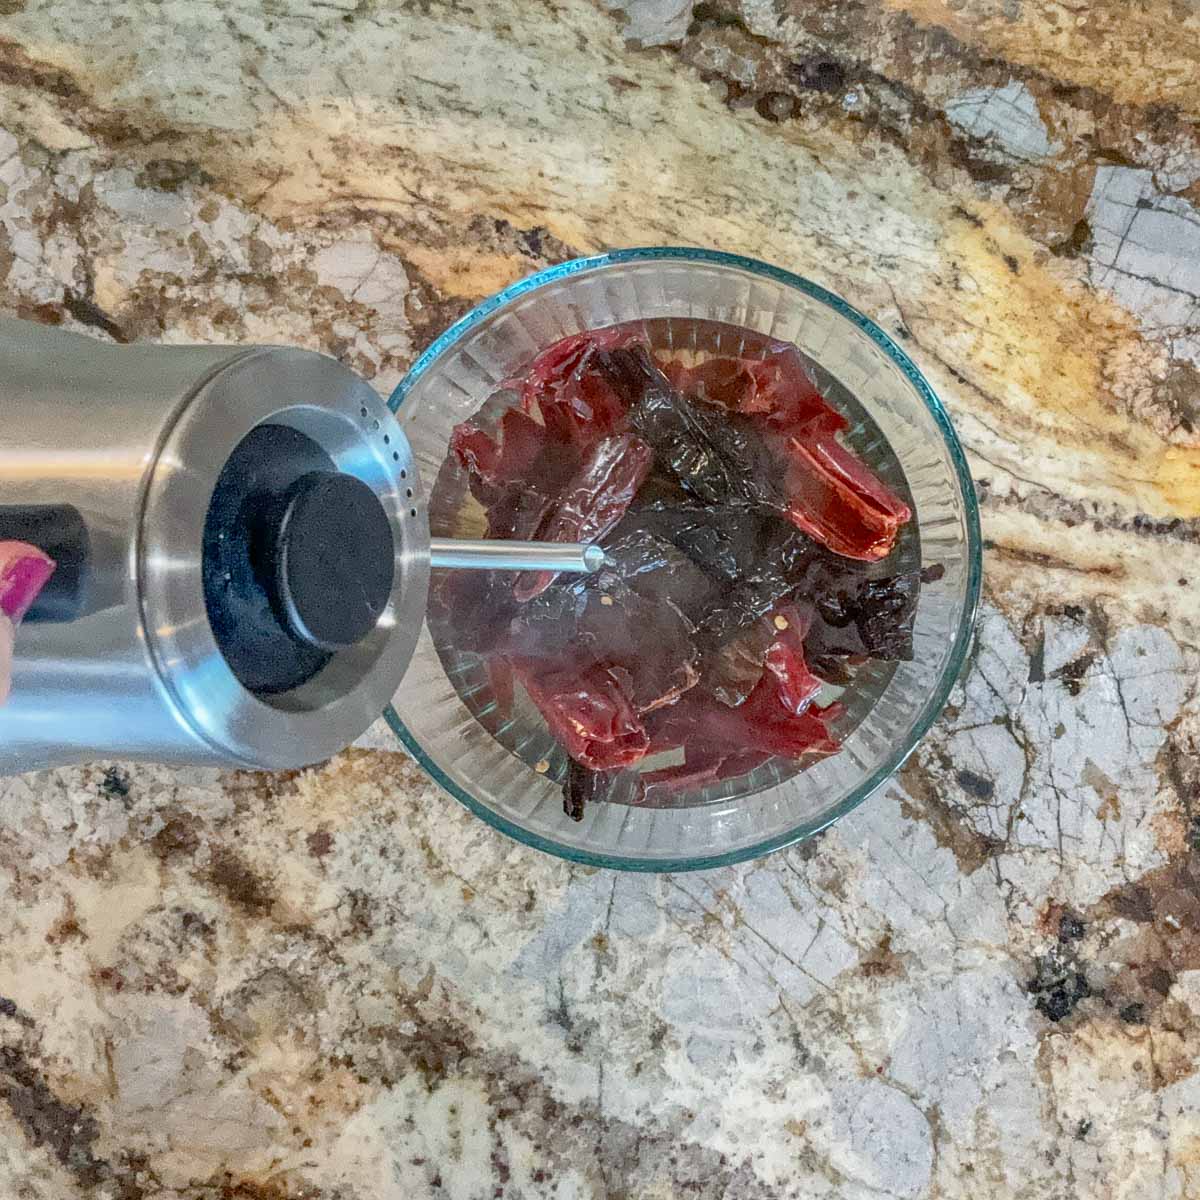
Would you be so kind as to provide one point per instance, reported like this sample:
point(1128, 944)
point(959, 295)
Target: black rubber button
point(334, 560)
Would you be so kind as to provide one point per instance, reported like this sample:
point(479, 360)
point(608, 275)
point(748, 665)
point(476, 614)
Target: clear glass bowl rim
point(974, 550)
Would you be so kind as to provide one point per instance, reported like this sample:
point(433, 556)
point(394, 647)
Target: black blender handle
point(60, 531)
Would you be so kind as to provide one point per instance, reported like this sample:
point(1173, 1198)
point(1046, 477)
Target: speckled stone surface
point(339, 986)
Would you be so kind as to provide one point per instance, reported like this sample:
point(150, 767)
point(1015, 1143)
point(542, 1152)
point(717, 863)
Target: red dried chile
point(605, 623)
point(592, 500)
point(577, 402)
point(763, 725)
point(739, 532)
point(498, 460)
point(569, 477)
point(515, 473)
point(826, 491)
point(733, 669)
point(705, 765)
point(835, 499)
point(588, 712)
point(777, 387)
point(796, 685)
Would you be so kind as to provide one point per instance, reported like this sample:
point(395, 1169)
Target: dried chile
point(576, 401)
point(732, 671)
point(605, 623)
point(827, 492)
point(740, 536)
point(795, 684)
point(763, 724)
point(589, 712)
point(657, 570)
point(583, 786)
point(591, 501)
point(835, 499)
point(716, 457)
point(779, 387)
point(871, 619)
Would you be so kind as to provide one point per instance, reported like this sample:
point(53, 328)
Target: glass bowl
point(890, 405)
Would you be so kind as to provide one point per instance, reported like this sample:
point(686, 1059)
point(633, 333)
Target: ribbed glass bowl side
point(496, 342)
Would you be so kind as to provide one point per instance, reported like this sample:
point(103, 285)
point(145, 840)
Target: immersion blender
point(243, 552)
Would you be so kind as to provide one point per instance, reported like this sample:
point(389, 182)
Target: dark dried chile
point(716, 457)
point(739, 533)
point(726, 541)
point(835, 669)
point(873, 619)
point(884, 613)
point(784, 560)
point(579, 789)
point(754, 558)
point(584, 786)
point(787, 458)
point(657, 570)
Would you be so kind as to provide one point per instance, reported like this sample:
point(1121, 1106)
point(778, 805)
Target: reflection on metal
point(577, 558)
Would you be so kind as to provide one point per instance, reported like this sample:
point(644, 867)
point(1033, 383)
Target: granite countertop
point(338, 985)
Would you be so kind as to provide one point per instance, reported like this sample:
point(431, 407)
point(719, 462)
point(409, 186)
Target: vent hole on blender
point(363, 411)
point(403, 474)
point(408, 492)
point(387, 440)
point(374, 426)
point(396, 458)
point(412, 512)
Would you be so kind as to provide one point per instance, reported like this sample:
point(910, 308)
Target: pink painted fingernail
point(23, 573)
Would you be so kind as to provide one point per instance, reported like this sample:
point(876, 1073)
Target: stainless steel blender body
point(133, 439)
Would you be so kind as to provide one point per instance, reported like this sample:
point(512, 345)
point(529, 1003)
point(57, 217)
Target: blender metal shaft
point(479, 554)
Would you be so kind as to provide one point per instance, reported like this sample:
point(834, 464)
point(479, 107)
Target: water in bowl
point(518, 726)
